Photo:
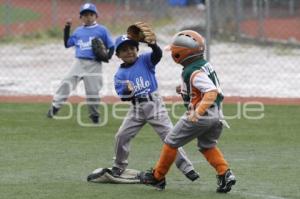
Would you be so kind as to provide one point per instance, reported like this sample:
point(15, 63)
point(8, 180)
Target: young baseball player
point(201, 92)
point(86, 67)
point(135, 81)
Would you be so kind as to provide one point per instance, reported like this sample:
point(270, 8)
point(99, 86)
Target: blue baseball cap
point(121, 40)
point(88, 7)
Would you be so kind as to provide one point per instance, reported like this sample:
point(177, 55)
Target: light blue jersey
point(141, 74)
point(82, 37)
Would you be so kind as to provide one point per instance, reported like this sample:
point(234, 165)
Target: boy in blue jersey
point(135, 81)
point(86, 67)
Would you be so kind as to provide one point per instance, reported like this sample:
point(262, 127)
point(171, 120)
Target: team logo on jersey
point(141, 85)
point(85, 45)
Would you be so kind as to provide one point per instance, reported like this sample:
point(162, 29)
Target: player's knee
point(171, 143)
point(204, 149)
point(122, 136)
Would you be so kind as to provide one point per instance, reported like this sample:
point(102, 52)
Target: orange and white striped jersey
point(197, 79)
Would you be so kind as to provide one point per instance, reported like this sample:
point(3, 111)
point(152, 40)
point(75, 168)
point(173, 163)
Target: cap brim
point(88, 10)
point(130, 41)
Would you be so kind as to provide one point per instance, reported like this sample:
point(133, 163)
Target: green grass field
point(42, 158)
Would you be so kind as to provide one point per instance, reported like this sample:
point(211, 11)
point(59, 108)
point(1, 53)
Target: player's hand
point(192, 116)
point(68, 22)
point(178, 89)
point(129, 86)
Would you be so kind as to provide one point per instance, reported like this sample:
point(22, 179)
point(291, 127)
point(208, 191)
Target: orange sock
point(215, 157)
point(166, 159)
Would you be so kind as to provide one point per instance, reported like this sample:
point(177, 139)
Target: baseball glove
point(141, 32)
point(99, 50)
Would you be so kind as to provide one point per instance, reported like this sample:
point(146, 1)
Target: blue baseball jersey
point(141, 75)
point(82, 40)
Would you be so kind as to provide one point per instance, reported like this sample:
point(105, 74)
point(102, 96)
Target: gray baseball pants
point(155, 114)
point(91, 73)
point(207, 130)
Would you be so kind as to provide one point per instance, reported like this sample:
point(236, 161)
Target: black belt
point(86, 58)
point(140, 99)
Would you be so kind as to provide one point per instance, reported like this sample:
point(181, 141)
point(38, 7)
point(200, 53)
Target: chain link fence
point(253, 44)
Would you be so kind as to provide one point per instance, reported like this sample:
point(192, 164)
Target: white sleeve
point(203, 83)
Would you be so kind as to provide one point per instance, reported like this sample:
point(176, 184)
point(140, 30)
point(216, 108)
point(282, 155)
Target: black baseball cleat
point(116, 172)
point(94, 119)
point(192, 175)
point(225, 182)
point(52, 111)
point(147, 178)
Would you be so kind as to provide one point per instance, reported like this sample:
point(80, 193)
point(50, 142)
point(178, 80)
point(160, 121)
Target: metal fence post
point(267, 8)
point(261, 34)
point(291, 7)
point(254, 7)
point(208, 29)
point(238, 18)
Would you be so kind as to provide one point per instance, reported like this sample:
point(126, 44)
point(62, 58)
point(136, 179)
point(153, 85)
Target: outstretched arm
point(156, 53)
point(201, 81)
point(67, 32)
